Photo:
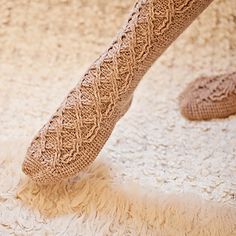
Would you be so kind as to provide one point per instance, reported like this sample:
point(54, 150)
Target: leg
point(76, 133)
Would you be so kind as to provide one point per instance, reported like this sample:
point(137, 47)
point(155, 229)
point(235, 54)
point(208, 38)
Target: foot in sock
point(78, 130)
point(209, 97)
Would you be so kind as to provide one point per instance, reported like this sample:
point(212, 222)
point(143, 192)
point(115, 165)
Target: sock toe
point(34, 166)
point(38, 172)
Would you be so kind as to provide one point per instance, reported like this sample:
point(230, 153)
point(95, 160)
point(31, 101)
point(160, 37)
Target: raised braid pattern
point(78, 130)
point(209, 97)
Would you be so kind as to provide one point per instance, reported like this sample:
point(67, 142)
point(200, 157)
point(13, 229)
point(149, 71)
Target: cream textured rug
point(159, 174)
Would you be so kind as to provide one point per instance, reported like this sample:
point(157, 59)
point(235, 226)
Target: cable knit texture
point(45, 48)
point(75, 134)
point(209, 97)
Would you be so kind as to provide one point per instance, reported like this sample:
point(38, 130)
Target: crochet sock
point(209, 97)
point(78, 130)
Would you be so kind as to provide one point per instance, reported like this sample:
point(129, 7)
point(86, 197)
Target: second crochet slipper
point(209, 97)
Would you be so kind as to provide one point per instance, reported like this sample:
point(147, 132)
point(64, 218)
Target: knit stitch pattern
point(209, 97)
point(80, 127)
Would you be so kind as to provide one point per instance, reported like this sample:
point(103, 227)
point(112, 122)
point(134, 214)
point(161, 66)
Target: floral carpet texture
point(159, 174)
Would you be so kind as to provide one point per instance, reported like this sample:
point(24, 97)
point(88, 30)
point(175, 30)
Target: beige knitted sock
point(209, 97)
point(75, 134)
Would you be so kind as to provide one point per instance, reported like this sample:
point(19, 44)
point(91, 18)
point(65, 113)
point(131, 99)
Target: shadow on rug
point(104, 207)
